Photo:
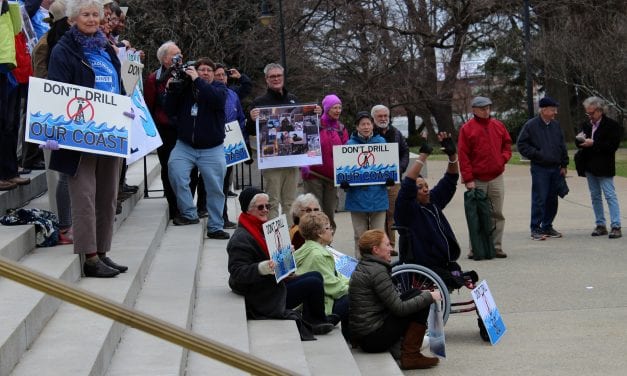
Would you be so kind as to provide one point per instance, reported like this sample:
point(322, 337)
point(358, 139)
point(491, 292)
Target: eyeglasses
point(204, 70)
point(262, 206)
point(274, 76)
point(591, 113)
point(309, 210)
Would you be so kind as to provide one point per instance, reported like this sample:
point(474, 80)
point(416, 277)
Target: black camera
point(179, 78)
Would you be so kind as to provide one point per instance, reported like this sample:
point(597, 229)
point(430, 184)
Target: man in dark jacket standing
point(484, 148)
point(541, 140)
point(199, 112)
point(599, 139)
point(381, 116)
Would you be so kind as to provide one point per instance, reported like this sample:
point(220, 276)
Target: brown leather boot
point(411, 358)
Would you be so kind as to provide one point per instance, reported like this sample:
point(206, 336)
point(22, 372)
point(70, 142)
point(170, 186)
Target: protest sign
point(78, 118)
point(366, 164)
point(344, 264)
point(144, 131)
point(288, 136)
point(488, 312)
point(234, 146)
point(131, 73)
point(277, 238)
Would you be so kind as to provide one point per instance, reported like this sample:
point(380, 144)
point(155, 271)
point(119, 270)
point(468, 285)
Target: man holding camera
point(197, 103)
point(154, 95)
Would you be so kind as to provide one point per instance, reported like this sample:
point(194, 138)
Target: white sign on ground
point(488, 312)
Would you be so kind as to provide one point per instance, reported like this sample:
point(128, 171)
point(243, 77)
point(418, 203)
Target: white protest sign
point(288, 136)
point(144, 131)
point(366, 164)
point(78, 118)
point(488, 312)
point(277, 238)
point(131, 73)
point(234, 146)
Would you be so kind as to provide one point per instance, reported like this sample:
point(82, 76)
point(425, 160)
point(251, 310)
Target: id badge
point(194, 111)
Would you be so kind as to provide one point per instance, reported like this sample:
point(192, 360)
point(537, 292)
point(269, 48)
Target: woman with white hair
point(84, 57)
point(303, 204)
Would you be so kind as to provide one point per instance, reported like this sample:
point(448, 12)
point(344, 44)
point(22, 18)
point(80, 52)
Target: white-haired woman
point(84, 57)
point(303, 204)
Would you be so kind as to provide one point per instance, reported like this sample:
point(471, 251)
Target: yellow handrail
point(139, 320)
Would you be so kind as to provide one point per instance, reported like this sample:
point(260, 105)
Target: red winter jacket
point(484, 146)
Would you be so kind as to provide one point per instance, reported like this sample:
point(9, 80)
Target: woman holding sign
point(84, 57)
point(379, 317)
point(367, 203)
point(252, 272)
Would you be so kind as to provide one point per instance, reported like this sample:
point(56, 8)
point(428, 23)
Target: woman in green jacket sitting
point(317, 231)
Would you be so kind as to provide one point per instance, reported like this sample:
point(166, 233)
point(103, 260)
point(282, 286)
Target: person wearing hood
point(318, 179)
point(484, 148)
point(366, 203)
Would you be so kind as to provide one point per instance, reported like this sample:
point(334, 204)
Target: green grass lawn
point(621, 158)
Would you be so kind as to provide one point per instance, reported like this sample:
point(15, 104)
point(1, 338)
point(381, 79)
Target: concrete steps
point(20, 196)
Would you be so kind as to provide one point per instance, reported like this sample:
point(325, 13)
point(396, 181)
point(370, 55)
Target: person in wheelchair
point(426, 237)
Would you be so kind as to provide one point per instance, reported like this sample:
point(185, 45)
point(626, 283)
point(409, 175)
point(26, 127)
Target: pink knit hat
point(330, 101)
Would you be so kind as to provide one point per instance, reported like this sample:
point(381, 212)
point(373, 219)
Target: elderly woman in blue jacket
point(367, 203)
point(84, 57)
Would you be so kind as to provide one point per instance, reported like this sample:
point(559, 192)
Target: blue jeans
point(605, 184)
point(212, 166)
point(544, 183)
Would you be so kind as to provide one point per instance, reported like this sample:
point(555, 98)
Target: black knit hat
point(361, 115)
point(246, 196)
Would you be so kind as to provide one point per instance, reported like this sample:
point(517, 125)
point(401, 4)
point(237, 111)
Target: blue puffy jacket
point(366, 198)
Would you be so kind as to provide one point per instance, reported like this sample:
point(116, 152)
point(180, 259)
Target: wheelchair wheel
point(411, 276)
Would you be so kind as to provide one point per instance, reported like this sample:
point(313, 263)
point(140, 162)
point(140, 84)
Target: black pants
point(391, 331)
point(307, 289)
point(225, 190)
point(168, 137)
point(9, 125)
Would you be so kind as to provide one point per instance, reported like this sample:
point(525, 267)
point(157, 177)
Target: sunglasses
point(309, 210)
point(266, 206)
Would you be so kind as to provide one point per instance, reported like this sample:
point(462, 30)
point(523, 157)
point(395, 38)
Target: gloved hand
point(448, 146)
point(426, 148)
point(389, 182)
point(50, 145)
point(130, 114)
point(345, 185)
point(304, 172)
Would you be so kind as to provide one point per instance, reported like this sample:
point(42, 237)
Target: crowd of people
point(79, 42)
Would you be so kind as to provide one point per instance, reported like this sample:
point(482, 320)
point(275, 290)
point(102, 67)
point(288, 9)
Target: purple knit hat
point(330, 101)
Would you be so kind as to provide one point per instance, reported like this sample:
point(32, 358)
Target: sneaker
point(230, 225)
point(183, 221)
point(615, 233)
point(500, 253)
point(599, 231)
point(220, 234)
point(552, 233)
point(537, 235)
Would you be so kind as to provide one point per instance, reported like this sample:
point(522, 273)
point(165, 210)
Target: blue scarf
point(89, 42)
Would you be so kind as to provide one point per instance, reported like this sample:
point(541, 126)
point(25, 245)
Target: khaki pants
point(93, 193)
point(495, 189)
point(280, 184)
point(364, 221)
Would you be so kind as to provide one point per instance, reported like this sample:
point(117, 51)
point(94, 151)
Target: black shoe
point(182, 221)
point(99, 270)
point(599, 231)
point(230, 225)
point(551, 233)
point(118, 208)
point(334, 319)
point(130, 188)
point(322, 328)
point(107, 261)
point(231, 194)
point(220, 234)
point(615, 233)
point(39, 165)
point(202, 213)
point(123, 196)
